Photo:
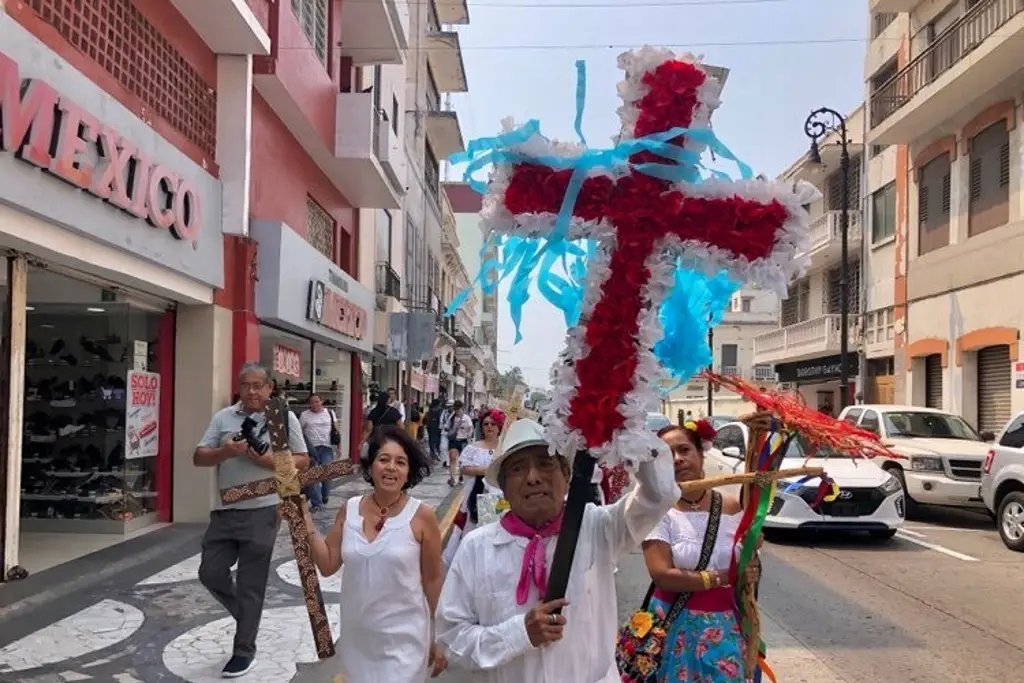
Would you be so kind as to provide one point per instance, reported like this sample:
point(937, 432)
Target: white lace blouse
point(684, 533)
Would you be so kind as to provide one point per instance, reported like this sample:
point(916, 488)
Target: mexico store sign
point(46, 129)
point(328, 307)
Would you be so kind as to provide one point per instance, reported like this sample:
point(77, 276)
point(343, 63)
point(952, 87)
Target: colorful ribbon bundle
point(779, 420)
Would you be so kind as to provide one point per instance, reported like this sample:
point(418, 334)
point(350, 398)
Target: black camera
point(248, 434)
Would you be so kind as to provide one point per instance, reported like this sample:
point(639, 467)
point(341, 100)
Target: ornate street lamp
point(819, 124)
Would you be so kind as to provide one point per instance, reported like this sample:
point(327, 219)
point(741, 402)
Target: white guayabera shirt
point(484, 630)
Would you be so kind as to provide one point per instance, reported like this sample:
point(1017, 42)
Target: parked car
point(870, 499)
point(942, 454)
point(657, 421)
point(719, 421)
point(1002, 483)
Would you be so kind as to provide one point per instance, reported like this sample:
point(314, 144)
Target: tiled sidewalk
point(167, 629)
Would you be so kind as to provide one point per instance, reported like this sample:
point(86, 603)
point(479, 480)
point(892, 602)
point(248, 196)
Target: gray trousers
point(246, 537)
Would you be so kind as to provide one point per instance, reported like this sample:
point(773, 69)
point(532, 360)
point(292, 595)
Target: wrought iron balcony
point(978, 24)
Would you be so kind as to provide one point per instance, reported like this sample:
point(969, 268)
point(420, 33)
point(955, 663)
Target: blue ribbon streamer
point(581, 98)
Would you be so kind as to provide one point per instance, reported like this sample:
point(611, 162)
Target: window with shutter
point(834, 302)
point(933, 204)
point(883, 213)
point(989, 205)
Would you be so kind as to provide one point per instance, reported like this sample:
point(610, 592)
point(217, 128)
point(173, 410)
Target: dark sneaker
point(238, 665)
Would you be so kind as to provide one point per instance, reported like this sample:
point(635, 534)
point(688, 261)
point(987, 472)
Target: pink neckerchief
point(534, 561)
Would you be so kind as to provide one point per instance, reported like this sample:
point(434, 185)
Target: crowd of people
point(409, 606)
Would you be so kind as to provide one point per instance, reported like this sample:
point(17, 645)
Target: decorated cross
point(288, 482)
point(646, 208)
point(643, 224)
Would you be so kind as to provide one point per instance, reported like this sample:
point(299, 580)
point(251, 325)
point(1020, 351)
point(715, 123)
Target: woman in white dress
point(473, 462)
point(390, 547)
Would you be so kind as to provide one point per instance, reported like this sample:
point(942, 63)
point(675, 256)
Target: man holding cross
point(492, 617)
point(243, 531)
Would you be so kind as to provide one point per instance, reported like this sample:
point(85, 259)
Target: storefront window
point(289, 358)
point(94, 450)
point(333, 382)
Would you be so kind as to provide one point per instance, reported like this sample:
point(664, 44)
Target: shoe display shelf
point(74, 474)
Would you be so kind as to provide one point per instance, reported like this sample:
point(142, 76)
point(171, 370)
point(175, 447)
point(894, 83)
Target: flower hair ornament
point(702, 428)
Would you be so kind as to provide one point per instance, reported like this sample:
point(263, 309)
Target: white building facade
point(805, 347)
point(945, 86)
point(404, 248)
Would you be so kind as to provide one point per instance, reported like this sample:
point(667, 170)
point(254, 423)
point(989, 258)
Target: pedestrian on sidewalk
point(433, 424)
point(319, 427)
point(474, 461)
point(390, 545)
point(243, 532)
point(460, 431)
point(492, 619)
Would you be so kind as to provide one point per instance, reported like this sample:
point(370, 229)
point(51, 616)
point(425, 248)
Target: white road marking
point(949, 528)
point(933, 546)
point(905, 530)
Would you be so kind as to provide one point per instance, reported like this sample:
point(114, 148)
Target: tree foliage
point(506, 382)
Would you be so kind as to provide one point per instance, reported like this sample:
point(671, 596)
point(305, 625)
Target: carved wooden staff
point(288, 482)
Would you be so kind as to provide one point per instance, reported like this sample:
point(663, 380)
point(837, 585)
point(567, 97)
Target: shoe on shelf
point(238, 665)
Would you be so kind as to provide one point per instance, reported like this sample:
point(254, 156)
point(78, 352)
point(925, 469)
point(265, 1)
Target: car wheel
point(910, 503)
point(1011, 520)
point(882, 534)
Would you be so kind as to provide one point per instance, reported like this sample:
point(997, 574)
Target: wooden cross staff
point(287, 482)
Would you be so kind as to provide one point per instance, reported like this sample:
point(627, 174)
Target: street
point(940, 602)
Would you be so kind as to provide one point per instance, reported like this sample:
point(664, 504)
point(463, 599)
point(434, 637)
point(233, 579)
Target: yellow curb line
point(449, 517)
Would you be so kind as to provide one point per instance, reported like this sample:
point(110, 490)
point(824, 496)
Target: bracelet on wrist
point(705, 578)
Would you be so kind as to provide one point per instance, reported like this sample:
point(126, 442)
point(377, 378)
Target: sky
point(786, 58)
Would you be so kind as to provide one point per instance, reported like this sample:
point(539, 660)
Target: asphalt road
point(940, 603)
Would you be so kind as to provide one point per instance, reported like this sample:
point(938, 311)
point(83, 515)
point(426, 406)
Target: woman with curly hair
point(390, 545)
point(688, 556)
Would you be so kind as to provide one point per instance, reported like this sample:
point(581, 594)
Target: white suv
point(942, 454)
point(1002, 483)
point(870, 499)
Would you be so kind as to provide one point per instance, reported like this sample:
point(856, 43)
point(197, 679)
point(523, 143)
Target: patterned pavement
point(167, 629)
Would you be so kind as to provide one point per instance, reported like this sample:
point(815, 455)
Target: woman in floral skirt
point(704, 644)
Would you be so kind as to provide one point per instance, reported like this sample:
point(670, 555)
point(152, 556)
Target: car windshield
point(656, 421)
point(801, 447)
point(719, 421)
point(928, 426)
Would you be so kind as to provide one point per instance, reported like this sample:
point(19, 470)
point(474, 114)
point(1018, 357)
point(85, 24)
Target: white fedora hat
point(520, 434)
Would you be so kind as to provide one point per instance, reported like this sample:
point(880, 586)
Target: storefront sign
point(817, 369)
point(47, 129)
point(416, 379)
point(142, 415)
point(287, 361)
point(330, 308)
point(1018, 375)
point(430, 384)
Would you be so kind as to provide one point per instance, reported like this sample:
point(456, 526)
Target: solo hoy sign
point(48, 130)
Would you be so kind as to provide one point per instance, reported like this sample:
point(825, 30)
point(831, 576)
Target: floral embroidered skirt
point(701, 647)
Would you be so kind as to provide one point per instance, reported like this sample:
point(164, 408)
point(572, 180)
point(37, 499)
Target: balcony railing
point(818, 336)
point(948, 49)
point(826, 229)
point(762, 373)
point(388, 282)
